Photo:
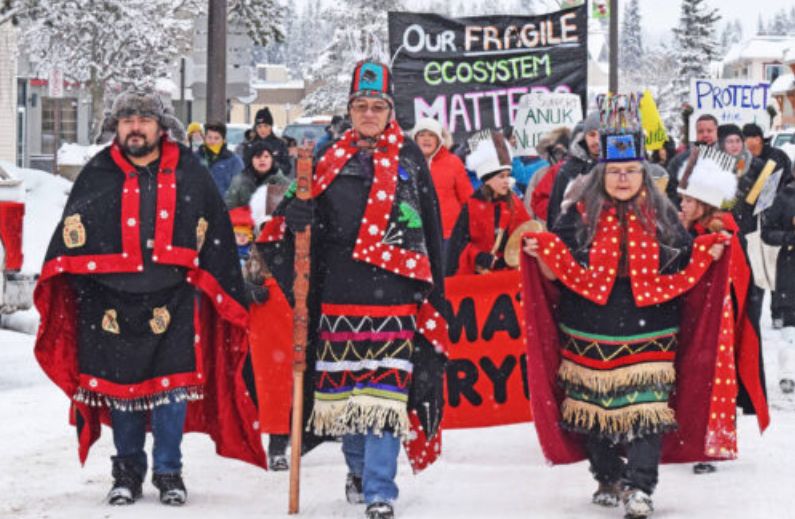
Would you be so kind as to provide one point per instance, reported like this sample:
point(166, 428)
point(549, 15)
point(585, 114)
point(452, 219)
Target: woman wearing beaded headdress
point(611, 331)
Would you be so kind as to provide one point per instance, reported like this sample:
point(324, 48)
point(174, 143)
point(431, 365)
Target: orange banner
point(487, 372)
point(271, 337)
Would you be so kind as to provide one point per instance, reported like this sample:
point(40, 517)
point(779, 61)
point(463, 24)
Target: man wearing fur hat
point(375, 289)
point(143, 318)
point(490, 216)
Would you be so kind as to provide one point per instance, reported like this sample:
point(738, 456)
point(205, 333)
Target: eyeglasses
point(377, 108)
point(621, 173)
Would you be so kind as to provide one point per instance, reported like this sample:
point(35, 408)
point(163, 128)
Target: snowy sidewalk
point(497, 472)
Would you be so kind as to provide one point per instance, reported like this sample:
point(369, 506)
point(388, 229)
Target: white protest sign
point(768, 194)
point(731, 101)
point(541, 112)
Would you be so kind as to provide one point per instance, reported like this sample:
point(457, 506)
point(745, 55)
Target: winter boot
point(704, 468)
point(607, 495)
point(126, 484)
point(637, 504)
point(278, 463)
point(379, 511)
point(172, 489)
point(354, 492)
point(787, 385)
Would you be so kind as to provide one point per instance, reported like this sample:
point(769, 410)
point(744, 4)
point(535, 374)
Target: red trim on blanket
point(649, 287)
point(635, 358)
point(372, 244)
point(369, 310)
point(149, 387)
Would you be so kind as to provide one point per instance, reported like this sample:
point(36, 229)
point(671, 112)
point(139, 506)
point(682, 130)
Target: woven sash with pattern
point(363, 369)
point(618, 386)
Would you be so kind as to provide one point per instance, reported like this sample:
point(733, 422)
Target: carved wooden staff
point(300, 325)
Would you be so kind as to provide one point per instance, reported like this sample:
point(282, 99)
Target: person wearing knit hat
point(195, 135)
point(261, 170)
point(490, 216)
point(601, 385)
point(583, 155)
point(144, 245)
point(377, 283)
point(224, 165)
point(449, 175)
point(263, 131)
point(755, 157)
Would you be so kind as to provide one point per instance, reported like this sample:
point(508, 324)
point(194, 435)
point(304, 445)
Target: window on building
point(68, 133)
point(773, 71)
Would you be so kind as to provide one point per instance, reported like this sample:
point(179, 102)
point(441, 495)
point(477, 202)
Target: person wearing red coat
point(490, 216)
point(449, 176)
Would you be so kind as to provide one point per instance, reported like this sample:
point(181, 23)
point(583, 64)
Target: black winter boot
point(608, 495)
point(379, 511)
point(172, 489)
point(126, 484)
point(354, 492)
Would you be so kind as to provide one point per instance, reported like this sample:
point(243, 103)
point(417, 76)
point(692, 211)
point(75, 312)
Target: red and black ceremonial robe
point(398, 232)
point(100, 234)
point(738, 355)
point(702, 287)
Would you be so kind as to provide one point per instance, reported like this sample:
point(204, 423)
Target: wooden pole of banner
point(300, 326)
point(613, 79)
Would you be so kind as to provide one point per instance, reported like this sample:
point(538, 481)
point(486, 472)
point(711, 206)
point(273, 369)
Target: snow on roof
point(783, 84)
point(295, 84)
point(759, 47)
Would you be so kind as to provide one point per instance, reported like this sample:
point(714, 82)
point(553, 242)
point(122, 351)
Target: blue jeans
point(374, 459)
point(129, 434)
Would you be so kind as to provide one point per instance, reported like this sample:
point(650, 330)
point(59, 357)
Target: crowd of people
point(144, 301)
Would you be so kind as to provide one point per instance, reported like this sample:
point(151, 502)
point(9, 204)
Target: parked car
point(781, 137)
point(306, 129)
point(16, 289)
point(235, 134)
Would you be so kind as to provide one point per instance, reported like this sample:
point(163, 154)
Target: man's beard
point(141, 150)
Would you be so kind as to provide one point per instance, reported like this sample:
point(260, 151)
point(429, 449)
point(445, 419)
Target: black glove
point(256, 294)
point(484, 260)
point(299, 214)
point(426, 395)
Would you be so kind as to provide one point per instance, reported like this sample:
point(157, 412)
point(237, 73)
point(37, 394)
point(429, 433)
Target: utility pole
point(216, 61)
point(613, 80)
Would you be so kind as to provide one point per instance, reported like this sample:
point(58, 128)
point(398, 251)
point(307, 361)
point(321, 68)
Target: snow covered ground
point(496, 472)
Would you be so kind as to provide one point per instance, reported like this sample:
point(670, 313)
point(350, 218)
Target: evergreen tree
point(732, 34)
point(360, 31)
point(631, 42)
point(760, 26)
point(101, 43)
point(695, 47)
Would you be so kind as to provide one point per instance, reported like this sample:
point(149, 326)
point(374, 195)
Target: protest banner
point(541, 112)
point(652, 122)
point(731, 101)
point(470, 73)
point(487, 372)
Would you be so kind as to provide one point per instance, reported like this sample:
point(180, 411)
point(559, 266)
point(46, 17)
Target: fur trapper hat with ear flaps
point(148, 103)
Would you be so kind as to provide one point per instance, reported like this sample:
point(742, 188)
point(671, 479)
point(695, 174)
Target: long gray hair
point(655, 211)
